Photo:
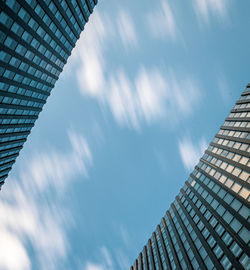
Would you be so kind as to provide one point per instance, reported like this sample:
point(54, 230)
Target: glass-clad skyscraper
point(207, 226)
point(36, 39)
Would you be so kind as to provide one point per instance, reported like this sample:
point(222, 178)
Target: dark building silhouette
point(207, 226)
point(36, 39)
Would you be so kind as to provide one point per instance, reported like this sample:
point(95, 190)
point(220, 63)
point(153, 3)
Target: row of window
point(22, 91)
point(139, 263)
point(18, 111)
point(16, 129)
point(232, 144)
point(175, 243)
point(236, 134)
point(144, 263)
point(4, 147)
point(17, 77)
point(230, 155)
point(226, 166)
point(245, 97)
point(11, 121)
point(150, 262)
point(4, 172)
point(167, 245)
point(12, 138)
point(163, 260)
point(242, 106)
point(228, 182)
point(22, 102)
point(5, 166)
point(156, 264)
point(6, 161)
point(239, 114)
point(9, 153)
point(245, 124)
point(185, 242)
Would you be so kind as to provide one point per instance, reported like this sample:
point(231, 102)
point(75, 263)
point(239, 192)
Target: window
point(236, 204)
point(227, 239)
point(10, 43)
point(244, 211)
point(245, 235)
point(245, 261)
point(23, 15)
point(236, 250)
point(219, 229)
point(211, 241)
point(220, 210)
point(226, 263)
point(227, 217)
point(218, 251)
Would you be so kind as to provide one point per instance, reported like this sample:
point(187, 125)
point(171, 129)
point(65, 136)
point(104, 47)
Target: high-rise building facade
point(36, 39)
point(207, 226)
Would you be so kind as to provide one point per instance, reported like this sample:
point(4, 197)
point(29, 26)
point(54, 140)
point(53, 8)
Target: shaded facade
point(207, 226)
point(36, 39)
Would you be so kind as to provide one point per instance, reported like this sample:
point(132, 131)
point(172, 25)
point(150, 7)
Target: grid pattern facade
point(207, 226)
point(36, 39)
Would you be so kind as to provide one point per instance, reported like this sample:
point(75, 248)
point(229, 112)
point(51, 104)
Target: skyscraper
point(207, 226)
point(36, 39)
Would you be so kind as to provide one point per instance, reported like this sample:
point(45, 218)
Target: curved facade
point(207, 226)
point(36, 39)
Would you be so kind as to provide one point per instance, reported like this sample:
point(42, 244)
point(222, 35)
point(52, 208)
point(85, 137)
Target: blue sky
point(145, 90)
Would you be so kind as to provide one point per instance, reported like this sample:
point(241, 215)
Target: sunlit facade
point(207, 226)
point(36, 39)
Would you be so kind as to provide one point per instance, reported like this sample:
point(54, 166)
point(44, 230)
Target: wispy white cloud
point(191, 152)
point(107, 258)
point(124, 235)
point(122, 259)
point(105, 261)
point(31, 208)
point(162, 23)
point(205, 9)
point(133, 102)
point(151, 95)
point(92, 266)
point(13, 255)
point(89, 51)
point(126, 29)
